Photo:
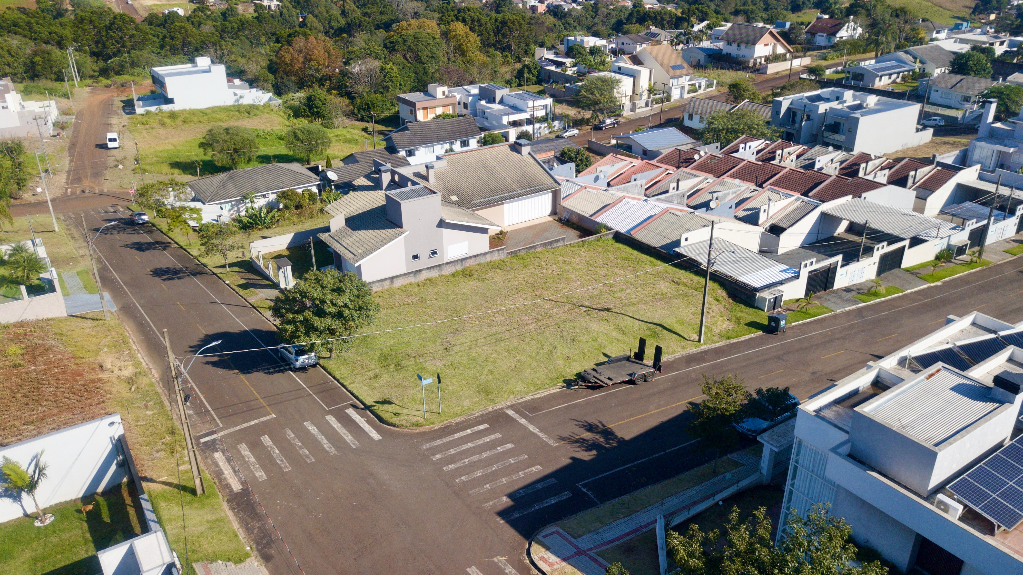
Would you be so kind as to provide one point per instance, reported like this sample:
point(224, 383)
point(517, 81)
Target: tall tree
point(601, 95)
point(579, 156)
point(307, 140)
point(1009, 98)
point(714, 416)
point(325, 305)
point(725, 127)
point(971, 64)
point(309, 61)
point(218, 239)
point(25, 481)
point(741, 90)
point(13, 175)
point(230, 146)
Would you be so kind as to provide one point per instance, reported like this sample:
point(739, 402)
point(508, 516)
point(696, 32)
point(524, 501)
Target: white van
point(113, 141)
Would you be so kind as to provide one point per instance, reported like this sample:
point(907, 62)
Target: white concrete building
point(914, 451)
point(20, 119)
point(586, 42)
point(199, 85)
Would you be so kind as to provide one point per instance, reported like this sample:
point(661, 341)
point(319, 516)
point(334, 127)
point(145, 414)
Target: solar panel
point(948, 356)
point(678, 67)
point(1015, 338)
point(978, 351)
point(995, 487)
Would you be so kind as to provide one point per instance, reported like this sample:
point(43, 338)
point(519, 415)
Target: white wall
point(387, 262)
point(872, 528)
point(478, 238)
point(36, 307)
point(82, 461)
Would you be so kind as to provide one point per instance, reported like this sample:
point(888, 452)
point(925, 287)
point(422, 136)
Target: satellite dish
point(714, 204)
point(331, 175)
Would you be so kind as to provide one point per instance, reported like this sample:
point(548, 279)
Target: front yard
point(945, 271)
point(525, 323)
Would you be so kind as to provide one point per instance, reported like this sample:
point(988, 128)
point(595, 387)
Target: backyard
point(528, 322)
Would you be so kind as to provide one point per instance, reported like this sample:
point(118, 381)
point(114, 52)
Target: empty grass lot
point(528, 345)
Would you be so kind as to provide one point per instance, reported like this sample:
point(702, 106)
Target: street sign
point(424, 381)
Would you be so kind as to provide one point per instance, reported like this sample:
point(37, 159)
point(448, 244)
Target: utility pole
point(189, 446)
point(312, 251)
point(374, 116)
point(863, 239)
point(71, 63)
point(95, 270)
point(46, 190)
point(440, 407)
point(990, 213)
point(138, 161)
point(706, 282)
point(69, 97)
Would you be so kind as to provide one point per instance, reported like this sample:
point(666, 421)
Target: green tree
point(23, 264)
point(971, 64)
point(1009, 98)
point(230, 146)
point(796, 87)
point(307, 140)
point(817, 71)
point(529, 73)
point(366, 106)
point(769, 403)
point(182, 218)
point(725, 127)
point(713, 417)
point(13, 175)
point(25, 481)
point(580, 157)
point(601, 95)
point(940, 258)
point(491, 138)
point(325, 305)
point(524, 135)
point(820, 543)
point(155, 195)
point(218, 239)
point(987, 51)
point(741, 90)
point(616, 568)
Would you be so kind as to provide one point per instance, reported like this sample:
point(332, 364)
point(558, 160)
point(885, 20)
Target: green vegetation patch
point(886, 291)
point(1015, 250)
point(944, 273)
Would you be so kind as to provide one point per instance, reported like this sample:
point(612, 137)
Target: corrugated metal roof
point(946, 355)
point(588, 202)
point(935, 407)
point(794, 212)
point(973, 211)
point(628, 214)
point(665, 231)
point(659, 139)
point(739, 263)
point(901, 223)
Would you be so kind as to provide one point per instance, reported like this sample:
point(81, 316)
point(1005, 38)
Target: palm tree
point(23, 263)
point(878, 286)
point(806, 302)
point(26, 481)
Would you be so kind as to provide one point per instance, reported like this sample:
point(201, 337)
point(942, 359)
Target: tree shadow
point(207, 167)
point(147, 246)
point(254, 360)
point(170, 273)
point(632, 317)
point(593, 437)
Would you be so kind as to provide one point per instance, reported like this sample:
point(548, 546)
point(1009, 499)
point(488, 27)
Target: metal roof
point(411, 193)
point(627, 214)
point(792, 214)
point(659, 139)
point(739, 263)
point(973, 211)
point(665, 231)
point(234, 184)
point(882, 68)
point(901, 223)
point(935, 407)
point(588, 202)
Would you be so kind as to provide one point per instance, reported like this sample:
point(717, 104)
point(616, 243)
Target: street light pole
point(95, 270)
point(706, 282)
point(193, 461)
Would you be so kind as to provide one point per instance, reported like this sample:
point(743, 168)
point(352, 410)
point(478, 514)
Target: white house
point(18, 118)
point(753, 43)
point(422, 142)
point(827, 31)
point(670, 73)
point(199, 85)
point(955, 91)
point(221, 197)
point(628, 66)
point(586, 42)
point(630, 43)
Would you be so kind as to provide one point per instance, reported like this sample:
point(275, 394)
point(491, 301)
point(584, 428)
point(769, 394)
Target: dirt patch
point(43, 386)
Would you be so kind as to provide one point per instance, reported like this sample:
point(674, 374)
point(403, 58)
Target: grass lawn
point(943, 273)
point(907, 86)
point(301, 258)
point(169, 141)
point(69, 544)
point(940, 11)
point(810, 312)
point(935, 146)
point(834, 76)
point(494, 357)
point(886, 291)
point(716, 517)
point(1015, 250)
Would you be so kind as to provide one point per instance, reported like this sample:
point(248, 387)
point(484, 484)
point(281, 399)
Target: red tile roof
point(903, 169)
point(839, 187)
point(799, 182)
point(755, 173)
point(937, 178)
point(826, 26)
point(851, 167)
point(767, 154)
point(608, 160)
point(716, 166)
point(678, 158)
point(734, 146)
point(639, 168)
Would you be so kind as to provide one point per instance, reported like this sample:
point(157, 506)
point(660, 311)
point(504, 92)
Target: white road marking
point(466, 446)
point(469, 460)
point(298, 445)
point(530, 426)
point(362, 423)
point(504, 480)
point(306, 388)
point(508, 569)
point(232, 480)
point(497, 501)
point(236, 428)
point(474, 571)
point(319, 437)
point(583, 399)
point(537, 506)
point(344, 432)
point(455, 436)
point(493, 467)
point(256, 469)
point(276, 453)
point(204, 402)
point(638, 461)
point(519, 493)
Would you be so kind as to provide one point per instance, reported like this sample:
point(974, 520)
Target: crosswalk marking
point(497, 501)
point(487, 470)
point(236, 485)
point(344, 432)
point(466, 446)
point(298, 445)
point(530, 427)
point(276, 453)
point(469, 460)
point(362, 423)
point(474, 571)
point(256, 469)
point(319, 437)
point(504, 480)
point(519, 493)
point(455, 436)
point(508, 569)
point(536, 506)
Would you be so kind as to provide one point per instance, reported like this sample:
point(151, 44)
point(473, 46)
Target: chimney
point(431, 172)
point(337, 222)
point(522, 147)
point(987, 119)
point(385, 176)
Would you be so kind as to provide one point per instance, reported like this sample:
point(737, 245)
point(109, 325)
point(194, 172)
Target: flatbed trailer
point(626, 368)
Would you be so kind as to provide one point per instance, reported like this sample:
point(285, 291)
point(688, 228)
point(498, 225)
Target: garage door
point(527, 208)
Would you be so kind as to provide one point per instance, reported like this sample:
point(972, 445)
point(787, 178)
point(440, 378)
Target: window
point(409, 153)
point(433, 253)
point(690, 117)
point(415, 257)
point(464, 143)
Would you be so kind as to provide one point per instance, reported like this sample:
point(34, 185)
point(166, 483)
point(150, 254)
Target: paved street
point(349, 495)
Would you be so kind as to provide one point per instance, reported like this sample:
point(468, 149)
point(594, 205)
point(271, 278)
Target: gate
point(821, 279)
point(976, 236)
point(891, 260)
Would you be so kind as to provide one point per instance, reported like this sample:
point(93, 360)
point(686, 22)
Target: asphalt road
point(349, 495)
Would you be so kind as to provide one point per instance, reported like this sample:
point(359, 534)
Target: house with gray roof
point(222, 196)
point(754, 43)
point(649, 144)
point(422, 142)
point(956, 91)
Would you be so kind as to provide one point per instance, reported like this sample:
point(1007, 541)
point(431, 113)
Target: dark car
point(607, 123)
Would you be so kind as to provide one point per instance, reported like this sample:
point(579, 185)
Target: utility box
point(776, 322)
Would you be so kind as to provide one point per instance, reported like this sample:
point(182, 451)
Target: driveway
point(542, 231)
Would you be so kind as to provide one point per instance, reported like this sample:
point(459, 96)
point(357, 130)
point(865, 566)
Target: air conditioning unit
point(949, 507)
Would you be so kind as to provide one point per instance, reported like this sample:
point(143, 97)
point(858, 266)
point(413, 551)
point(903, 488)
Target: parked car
point(140, 218)
point(297, 356)
point(569, 133)
point(769, 415)
point(113, 141)
point(936, 121)
point(607, 123)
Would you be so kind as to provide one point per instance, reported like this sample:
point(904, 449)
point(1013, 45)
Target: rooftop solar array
point(947, 355)
point(995, 487)
point(889, 67)
point(678, 67)
point(966, 355)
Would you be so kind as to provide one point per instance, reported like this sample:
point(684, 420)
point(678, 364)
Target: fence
point(782, 66)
